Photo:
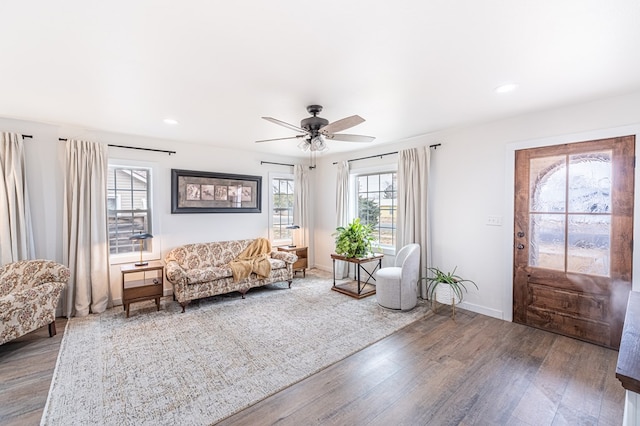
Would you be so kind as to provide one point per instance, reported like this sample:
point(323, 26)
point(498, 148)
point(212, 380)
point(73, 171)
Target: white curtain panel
point(342, 210)
point(86, 249)
point(301, 205)
point(16, 233)
point(413, 205)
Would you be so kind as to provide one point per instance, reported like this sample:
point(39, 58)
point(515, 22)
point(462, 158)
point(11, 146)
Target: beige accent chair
point(397, 286)
point(29, 294)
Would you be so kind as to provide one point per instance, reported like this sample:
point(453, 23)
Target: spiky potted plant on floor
point(445, 287)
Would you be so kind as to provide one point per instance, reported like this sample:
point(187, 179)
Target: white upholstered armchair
point(396, 286)
point(29, 294)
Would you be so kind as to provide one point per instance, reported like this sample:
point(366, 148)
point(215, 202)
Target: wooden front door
point(573, 238)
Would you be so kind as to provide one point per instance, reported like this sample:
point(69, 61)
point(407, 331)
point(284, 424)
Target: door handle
point(520, 246)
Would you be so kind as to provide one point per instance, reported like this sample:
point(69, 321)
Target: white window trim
point(155, 242)
point(271, 177)
point(353, 195)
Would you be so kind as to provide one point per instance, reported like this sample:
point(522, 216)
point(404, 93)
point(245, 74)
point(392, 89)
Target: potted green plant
point(446, 287)
point(354, 240)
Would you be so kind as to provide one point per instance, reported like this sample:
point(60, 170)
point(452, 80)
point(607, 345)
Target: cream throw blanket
point(255, 258)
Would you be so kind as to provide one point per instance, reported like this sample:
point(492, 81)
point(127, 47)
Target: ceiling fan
point(316, 129)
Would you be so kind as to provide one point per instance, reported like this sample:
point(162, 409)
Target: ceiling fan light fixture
point(304, 145)
point(318, 144)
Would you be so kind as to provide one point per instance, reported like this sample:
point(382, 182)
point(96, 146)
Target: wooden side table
point(141, 283)
point(357, 288)
point(302, 253)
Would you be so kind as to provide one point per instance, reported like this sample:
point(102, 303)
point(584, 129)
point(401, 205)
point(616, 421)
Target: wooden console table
point(146, 283)
point(357, 288)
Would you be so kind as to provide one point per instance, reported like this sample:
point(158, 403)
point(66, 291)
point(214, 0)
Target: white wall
point(472, 178)
point(45, 175)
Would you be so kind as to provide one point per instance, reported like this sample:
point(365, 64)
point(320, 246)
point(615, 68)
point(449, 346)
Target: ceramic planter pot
point(445, 295)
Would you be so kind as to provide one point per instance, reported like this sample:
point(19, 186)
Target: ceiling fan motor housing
point(315, 123)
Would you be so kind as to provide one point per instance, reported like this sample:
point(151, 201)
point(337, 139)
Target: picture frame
point(209, 192)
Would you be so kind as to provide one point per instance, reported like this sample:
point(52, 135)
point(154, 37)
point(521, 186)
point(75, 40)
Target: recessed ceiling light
point(505, 88)
point(170, 121)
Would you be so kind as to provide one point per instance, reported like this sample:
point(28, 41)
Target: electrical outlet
point(494, 220)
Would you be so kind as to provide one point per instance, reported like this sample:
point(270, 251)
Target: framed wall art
point(208, 192)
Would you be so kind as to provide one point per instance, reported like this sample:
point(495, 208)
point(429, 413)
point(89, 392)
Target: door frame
point(509, 227)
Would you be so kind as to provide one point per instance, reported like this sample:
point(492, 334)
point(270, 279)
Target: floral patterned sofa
point(202, 270)
point(29, 294)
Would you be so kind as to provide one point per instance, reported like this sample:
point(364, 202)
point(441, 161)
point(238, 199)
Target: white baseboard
point(324, 268)
point(482, 310)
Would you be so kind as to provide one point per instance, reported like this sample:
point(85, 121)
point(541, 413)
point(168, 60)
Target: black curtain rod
point(277, 164)
point(133, 147)
point(283, 164)
point(143, 149)
point(435, 146)
point(27, 136)
point(371, 156)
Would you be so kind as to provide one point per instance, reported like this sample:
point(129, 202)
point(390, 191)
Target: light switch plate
point(494, 220)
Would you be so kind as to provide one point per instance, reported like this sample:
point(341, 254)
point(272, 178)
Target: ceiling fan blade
point(349, 138)
point(287, 125)
point(340, 125)
point(281, 139)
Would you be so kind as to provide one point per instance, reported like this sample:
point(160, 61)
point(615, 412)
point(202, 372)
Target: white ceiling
point(408, 67)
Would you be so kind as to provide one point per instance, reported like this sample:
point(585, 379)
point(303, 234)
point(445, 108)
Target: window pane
point(548, 189)
point(386, 237)
point(589, 244)
point(590, 183)
point(368, 211)
point(373, 183)
point(387, 182)
point(546, 245)
point(362, 183)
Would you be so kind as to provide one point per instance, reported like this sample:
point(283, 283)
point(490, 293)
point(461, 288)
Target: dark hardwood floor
point(476, 370)
point(26, 368)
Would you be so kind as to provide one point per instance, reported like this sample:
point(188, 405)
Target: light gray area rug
point(219, 357)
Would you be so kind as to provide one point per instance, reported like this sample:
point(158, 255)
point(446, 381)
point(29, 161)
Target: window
point(128, 211)
point(377, 205)
point(281, 209)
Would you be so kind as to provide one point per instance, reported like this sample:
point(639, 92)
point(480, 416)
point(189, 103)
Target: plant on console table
point(446, 287)
point(354, 240)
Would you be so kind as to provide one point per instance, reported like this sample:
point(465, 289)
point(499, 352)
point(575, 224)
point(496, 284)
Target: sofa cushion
point(202, 275)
